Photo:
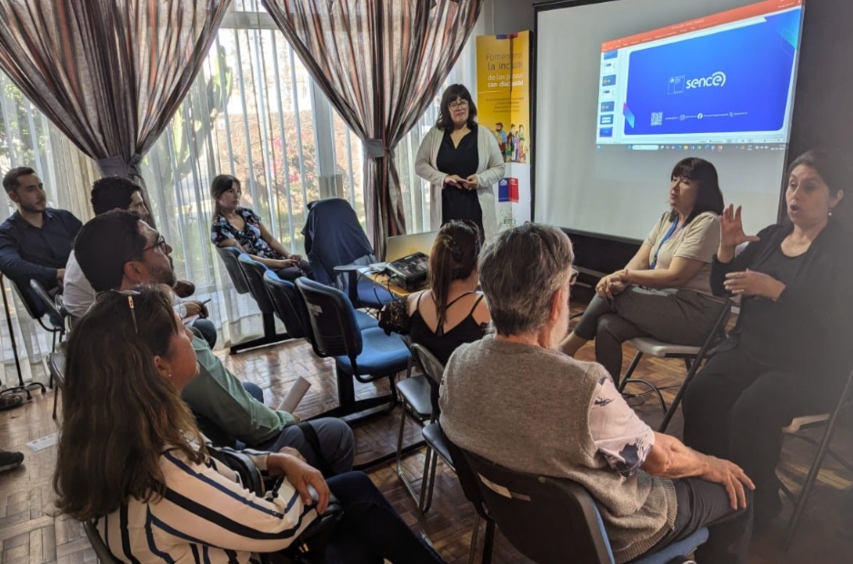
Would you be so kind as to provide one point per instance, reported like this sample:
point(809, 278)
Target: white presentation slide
point(627, 88)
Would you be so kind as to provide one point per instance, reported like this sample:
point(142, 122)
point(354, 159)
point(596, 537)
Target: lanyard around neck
point(663, 242)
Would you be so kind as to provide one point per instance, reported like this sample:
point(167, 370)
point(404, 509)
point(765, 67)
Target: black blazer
point(807, 329)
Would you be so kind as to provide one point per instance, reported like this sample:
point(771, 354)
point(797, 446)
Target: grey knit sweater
point(526, 408)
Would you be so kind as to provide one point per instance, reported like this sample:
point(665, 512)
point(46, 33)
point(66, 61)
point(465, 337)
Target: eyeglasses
point(129, 294)
point(160, 242)
point(458, 105)
point(573, 277)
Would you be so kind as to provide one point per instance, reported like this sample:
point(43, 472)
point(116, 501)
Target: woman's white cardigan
point(489, 172)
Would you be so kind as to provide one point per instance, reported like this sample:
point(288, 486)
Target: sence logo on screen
point(718, 79)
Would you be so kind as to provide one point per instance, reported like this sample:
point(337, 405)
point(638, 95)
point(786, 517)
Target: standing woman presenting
point(462, 162)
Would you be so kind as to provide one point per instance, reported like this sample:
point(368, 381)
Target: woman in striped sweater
point(132, 459)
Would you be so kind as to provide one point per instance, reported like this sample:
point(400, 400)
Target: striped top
point(206, 516)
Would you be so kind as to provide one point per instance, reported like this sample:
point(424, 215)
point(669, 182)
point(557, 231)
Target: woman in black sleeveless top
point(451, 312)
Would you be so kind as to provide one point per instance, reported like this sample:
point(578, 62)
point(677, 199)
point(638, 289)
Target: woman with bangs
point(664, 291)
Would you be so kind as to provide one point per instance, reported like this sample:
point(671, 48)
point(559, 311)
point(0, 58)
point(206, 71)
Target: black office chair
point(230, 258)
point(56, 315)
point(32, 312)
point(56, 367)
point(546, 518)
point(289, 306)
point(253, 275)
point(337, 247)
point(367, 355)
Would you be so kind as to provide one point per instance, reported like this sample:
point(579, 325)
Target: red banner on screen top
point(751, 11)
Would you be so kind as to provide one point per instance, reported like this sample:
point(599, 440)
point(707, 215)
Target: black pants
point(705, 504)
point(371, 529)
point(680, 317)
point(735, 408)
point(291, 273)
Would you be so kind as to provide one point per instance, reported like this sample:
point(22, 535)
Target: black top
point(443, 344)
point(805, 330)
point(463, 161)
point(32, 253)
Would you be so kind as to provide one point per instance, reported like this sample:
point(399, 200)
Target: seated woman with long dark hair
point(790, 351)
point(452, 311)
point(236, 226)
point(131, 457)
point(663, 292)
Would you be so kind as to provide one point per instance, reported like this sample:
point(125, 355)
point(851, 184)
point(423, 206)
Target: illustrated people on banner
point(500, 135)
point(521, 149)
point(510, 144)
point(514, 154)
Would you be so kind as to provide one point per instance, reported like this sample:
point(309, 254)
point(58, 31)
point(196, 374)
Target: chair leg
point(400, 473)
point(489, 541)
point(55, 400)
point(475, 532)
point(808, 485)
point(691, 373)
point(425, 480)
point(429, 487)
point(631, 368)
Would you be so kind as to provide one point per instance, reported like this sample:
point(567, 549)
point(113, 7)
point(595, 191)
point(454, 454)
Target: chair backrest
point(289, 305)
point(229, 257)
point(31, 303)
point(254, 271)
point(434, 371)
point(544, 518)
point(333, 237)
point(50, 306)
point(56, 364)
point(103, 553)
point(332, 319)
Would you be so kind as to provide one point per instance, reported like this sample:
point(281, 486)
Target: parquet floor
point(31, 532)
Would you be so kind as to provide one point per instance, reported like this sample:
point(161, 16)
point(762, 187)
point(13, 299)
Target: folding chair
point(828, 421)
point(692, 356)
point(416, 395)
point(547, 519)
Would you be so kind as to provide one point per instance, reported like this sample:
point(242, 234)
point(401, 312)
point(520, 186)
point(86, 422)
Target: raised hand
point(731, 229)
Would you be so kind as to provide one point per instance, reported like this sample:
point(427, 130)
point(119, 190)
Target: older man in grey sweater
point(517, 401)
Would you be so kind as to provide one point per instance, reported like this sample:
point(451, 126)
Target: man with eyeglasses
point(117, 251)
point(111, 193)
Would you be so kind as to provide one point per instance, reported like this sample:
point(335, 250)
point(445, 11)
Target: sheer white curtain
point(253, 112)
point(28, 139)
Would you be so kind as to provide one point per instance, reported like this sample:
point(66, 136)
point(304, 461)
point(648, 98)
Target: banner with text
point(503, 106)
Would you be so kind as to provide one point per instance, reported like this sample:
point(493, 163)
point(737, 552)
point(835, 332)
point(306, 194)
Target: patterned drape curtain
point(108, 73)
point(380, 63)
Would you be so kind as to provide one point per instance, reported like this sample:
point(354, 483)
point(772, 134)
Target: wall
point(510, 16)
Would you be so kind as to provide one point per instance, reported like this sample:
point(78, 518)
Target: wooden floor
point(31, 532)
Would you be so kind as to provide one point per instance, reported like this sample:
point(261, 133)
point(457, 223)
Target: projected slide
point(726, 78)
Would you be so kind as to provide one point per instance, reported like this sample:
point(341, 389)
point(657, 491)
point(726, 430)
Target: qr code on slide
point(657, 118)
